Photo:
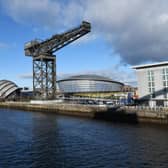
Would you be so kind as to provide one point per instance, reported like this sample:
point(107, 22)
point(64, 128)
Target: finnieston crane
point(44, 60)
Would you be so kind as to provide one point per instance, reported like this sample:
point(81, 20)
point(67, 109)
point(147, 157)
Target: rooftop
point(151, 65)
point(89, 77)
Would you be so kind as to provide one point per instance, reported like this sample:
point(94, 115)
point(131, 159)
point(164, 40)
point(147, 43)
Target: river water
point(31, 139)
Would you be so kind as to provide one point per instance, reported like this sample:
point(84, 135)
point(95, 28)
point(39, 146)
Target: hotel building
point(153, 83)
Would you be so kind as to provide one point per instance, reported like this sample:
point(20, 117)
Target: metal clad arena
point(88, 83)
point(7, 88)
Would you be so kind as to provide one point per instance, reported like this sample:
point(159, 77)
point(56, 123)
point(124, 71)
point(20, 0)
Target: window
point(151, 83)
point(165, 81)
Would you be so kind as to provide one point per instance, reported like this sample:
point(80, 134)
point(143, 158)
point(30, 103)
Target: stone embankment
point(59, 108)
point(147, 114)
point(121, 114)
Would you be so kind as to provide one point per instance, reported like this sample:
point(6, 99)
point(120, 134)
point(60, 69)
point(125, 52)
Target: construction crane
point(44, 60)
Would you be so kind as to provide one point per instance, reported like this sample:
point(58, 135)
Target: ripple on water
point(43, 140)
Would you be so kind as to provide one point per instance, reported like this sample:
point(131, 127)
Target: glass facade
point(77, 86)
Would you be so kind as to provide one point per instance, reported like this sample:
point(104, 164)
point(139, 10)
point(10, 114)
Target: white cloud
point(116, 73)
point(47, 14)
point(134, 29)
point(26, 76)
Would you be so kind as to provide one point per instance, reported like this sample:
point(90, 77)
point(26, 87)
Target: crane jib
point(56, 42)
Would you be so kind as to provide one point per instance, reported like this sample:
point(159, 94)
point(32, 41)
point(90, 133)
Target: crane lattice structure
point(44, 60)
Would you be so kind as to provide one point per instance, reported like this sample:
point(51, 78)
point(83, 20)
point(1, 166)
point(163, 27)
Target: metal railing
point(147, 108)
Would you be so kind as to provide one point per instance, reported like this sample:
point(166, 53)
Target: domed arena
point(88, 84)
point(8, 89)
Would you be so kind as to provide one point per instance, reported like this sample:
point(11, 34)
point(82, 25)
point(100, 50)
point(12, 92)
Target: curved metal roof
point(89, 77)
point(7, 88)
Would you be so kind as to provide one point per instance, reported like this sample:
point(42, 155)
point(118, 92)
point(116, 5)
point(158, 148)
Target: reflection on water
point(30, 139)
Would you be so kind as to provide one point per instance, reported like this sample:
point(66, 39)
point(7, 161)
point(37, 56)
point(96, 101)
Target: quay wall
point(59, 108)
point(149, 115)
point(118, 114)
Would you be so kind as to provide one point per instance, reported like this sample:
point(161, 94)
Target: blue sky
point(122, 35)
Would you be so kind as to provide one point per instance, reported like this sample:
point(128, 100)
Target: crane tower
point(44, 60)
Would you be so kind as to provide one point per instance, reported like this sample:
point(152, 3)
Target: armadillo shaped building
point(8, 89)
